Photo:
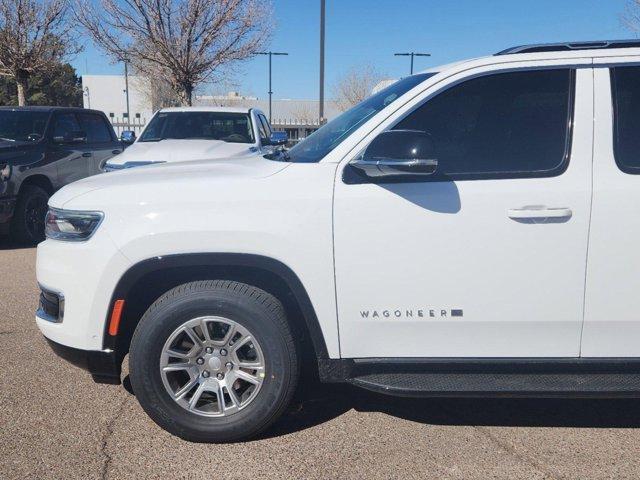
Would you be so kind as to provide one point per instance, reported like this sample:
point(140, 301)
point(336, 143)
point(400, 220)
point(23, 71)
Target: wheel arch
point(147, 280)
point(39, 180)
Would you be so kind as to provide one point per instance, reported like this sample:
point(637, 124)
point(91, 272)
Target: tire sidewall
point(19, 228)
point(146, 349)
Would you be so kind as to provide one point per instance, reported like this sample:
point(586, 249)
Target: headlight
point(71, 226)
point(5, 171)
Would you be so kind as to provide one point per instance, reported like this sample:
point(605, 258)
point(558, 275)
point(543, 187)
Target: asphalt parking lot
point(56, 423)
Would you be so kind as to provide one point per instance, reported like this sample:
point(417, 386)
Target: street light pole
point(126, 91)
point(412, 54)
point(322, 23)
point(271, 54)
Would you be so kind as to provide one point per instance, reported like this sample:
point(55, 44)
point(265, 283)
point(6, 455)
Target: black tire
point(27, 225)
point(256, 310)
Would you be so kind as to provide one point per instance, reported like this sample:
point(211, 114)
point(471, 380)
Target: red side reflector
point(116, 313)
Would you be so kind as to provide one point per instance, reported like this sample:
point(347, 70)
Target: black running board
point(502, 385)
point(505, 377)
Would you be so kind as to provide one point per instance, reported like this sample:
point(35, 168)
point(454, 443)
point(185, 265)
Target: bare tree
point(35, 37)
point(155, 92)
point(304, 112)
point(631, 16)
point(356, 85)
point(185, 42)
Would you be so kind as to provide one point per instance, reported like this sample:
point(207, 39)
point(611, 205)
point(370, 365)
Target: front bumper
point(101, 364)
point(83, 275)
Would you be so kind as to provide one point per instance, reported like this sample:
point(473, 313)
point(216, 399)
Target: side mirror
point(128, 136)
point(278, 138)
point(77, 136)
point(398, 153)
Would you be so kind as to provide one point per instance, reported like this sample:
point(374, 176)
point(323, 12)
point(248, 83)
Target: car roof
point(567, 51)
point(41, 108)
point(208, 109)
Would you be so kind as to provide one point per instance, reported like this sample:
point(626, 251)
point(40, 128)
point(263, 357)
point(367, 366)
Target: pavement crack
point(547, 472)
point(104, 442)
point(517, 455)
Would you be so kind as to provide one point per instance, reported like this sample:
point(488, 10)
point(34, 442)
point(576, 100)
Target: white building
point(108, 93)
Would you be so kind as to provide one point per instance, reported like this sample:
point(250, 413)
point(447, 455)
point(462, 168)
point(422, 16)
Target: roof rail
point(569, 46)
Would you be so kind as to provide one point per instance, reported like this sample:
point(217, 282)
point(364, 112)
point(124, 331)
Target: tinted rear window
point(625, 82)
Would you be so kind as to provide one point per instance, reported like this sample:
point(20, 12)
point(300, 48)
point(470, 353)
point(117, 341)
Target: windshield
point(22, 126)
point(228, 127)
point(320, 143)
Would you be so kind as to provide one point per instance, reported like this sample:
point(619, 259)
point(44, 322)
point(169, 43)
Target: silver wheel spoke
point(243, 341)
point(205, 330)
point(228, 336)
point(184, 390)
point(234, 397)
point(176, 367)
point(194, 338)
point(241, 374)
point(196, 396)
point(206, 367)
point(176, 354)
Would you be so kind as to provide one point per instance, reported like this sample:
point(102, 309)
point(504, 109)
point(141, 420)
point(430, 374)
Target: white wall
point(107, 93)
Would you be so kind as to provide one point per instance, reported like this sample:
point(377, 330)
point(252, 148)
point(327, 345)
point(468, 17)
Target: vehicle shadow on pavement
point(316, 403)
point(7, 243)
point(319, 403)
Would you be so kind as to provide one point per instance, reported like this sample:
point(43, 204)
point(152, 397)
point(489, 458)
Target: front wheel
point(28, 218)
point(214, 361)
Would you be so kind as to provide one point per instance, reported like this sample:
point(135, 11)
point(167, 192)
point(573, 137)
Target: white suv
point(470, 230)
point(198, 133)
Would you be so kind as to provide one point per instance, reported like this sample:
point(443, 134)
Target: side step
point(502, 385)
point(482, 377)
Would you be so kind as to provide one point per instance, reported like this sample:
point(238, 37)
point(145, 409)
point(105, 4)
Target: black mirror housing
point(128, 136)
point(397, 153)
point(278, 139)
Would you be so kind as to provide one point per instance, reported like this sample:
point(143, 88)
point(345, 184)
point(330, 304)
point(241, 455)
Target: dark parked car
point(41, 150)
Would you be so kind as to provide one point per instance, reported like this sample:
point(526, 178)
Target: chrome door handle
point(539, 212)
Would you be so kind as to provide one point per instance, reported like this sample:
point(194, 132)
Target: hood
point(173, 177)
point(171, 150)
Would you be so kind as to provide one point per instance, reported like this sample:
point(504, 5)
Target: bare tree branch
point(355, 86)
point(184, 42)
point(630, 18)
point(35, 36)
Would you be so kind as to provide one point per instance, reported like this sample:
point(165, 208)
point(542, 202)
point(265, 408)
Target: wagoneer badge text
point(412, 313)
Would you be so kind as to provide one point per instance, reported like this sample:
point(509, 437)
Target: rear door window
point(65, 124)
point(95, 127)
point(625, 83)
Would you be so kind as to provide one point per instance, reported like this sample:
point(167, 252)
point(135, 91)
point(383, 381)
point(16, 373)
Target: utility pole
point(271, 54)
point(126, 91)
point(322, 23)
point(412, 54)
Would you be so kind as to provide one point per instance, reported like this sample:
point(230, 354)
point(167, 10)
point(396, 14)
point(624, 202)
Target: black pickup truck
point(41, 150)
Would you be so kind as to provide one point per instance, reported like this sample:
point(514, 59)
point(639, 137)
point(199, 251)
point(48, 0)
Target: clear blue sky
point(361, 32)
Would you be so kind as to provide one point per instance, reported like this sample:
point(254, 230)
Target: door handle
point(116, 152)
point(87, 154)
point(538, 212)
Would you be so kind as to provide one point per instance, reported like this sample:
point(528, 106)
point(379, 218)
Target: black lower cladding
point(102, 365)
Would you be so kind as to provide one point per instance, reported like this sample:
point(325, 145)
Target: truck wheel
point(214, 361)
point(28, 219)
